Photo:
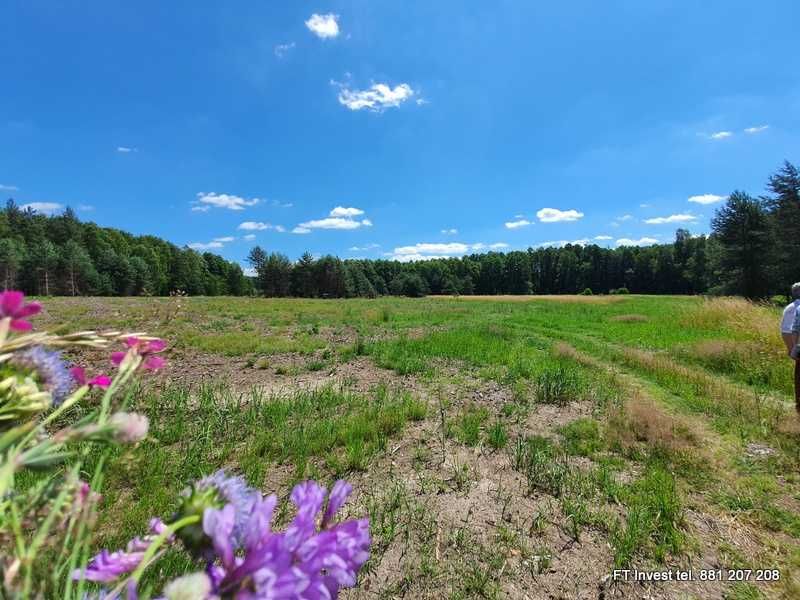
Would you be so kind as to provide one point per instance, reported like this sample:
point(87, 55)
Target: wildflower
point(19, 399)
point(215, 492)
point(189, 587)
point(12, 306)
point(129, 428)
point(300, 563)
point(46, 367)
point(110, 566)
point(79, 375)
point(144, 348)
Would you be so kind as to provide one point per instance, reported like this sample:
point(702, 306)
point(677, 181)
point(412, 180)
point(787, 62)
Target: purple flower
point(12, 306)
point(109, 566)
point(146, 349)
point(302, 562)
point(46, 367)
point(79, 375)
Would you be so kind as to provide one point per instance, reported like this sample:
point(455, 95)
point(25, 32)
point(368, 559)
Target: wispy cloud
point(207, 201)
point(643, 241)
point(259, 226)
point(365, 248)
point(224, 240)
point(206, 245)
point(427, 251)
point(624, 218)
point(706, 199)
point(451, 231)
point(518, 223)
point(126, 149)
point(46, 208)
point(603, 238)
point(554, 215)
point(8, 188)
point(324, 26)
point(720, 135)
point(279, 204)
point(562, 243)
point(85, 207)
point(756, 129)
point(679, 218)
point(249, 237)
point(282, 49)
point(341, 217)
point(377, 98)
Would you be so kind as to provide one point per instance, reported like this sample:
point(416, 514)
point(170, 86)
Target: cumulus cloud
point(206, 245)
point(340, 217)
point(643, 241)
point(427, 251)
point(324, 26)
point(249, 271)
point(518, 223)
point(46, 208)
point(207, 201)
point(720, 135)
point(259, 226)
point(554, 215)
point(282, 49)
point(451, 231)
point(603, 238)
point(8, 188)
point(706, 198)
point(756, 129)
point(679, 218)
point(377, 98)
point(562, 243)
point(126, 149)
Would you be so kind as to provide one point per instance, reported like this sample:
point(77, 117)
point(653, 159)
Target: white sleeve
point(788, 318)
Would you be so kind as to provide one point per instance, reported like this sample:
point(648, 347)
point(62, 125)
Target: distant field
point(515, 447)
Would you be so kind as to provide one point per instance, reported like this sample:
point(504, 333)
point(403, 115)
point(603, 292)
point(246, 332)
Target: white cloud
point(279, 204)
point(679, 218)
point(46, 208)
point(249, 237)
point(341, 211)
point(645, 205)
point(282, 49)
point(8, 188)
point(706, 198)
point(517, 224)
point(720, 135)
point(562, 243)
point(250, 271)
point(205, 246)
point(644, 241)
point(126, 149)
point(85, 207)
point(324, 26)
point(756, 129)
point(339, 218)
point(427, 251)
point(225, 239)
point(366, 248)
point(603, 238)
point(452, 231)
point(624, 218)
point(259, 226)
point(554, 215)
point(206, 201)
point(377, 98)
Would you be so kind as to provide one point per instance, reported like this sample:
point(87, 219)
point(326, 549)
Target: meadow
point(519, 447)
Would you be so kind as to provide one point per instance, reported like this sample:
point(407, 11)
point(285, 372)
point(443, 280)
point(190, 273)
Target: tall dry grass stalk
point(734, 314)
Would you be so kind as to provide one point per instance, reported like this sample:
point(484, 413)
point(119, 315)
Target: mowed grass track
point(655, 432)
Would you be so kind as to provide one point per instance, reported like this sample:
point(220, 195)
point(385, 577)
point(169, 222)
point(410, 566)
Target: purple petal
point(339, 494)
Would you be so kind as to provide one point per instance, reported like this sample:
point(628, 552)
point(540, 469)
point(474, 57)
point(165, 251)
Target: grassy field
point(503, 447)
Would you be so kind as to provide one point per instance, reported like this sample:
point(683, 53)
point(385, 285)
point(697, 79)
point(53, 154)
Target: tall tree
point(784, 202)
point(742, 228)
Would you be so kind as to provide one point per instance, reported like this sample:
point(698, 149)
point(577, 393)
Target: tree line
point(60, 255)
point(752, 251)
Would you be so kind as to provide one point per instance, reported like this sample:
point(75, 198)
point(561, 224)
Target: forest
point(751, 251)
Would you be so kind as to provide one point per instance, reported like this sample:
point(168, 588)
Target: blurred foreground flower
point(13, 307)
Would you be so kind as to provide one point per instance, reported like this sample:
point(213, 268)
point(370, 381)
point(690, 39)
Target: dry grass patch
point(732, 314)
point(630, 319)
point(640, 423)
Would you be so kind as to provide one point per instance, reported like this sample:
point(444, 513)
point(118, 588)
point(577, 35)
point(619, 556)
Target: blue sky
point(399, 129)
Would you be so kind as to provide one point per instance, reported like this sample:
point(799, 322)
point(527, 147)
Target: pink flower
point(12, 305)
point(79, 375)
point(145, 349)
